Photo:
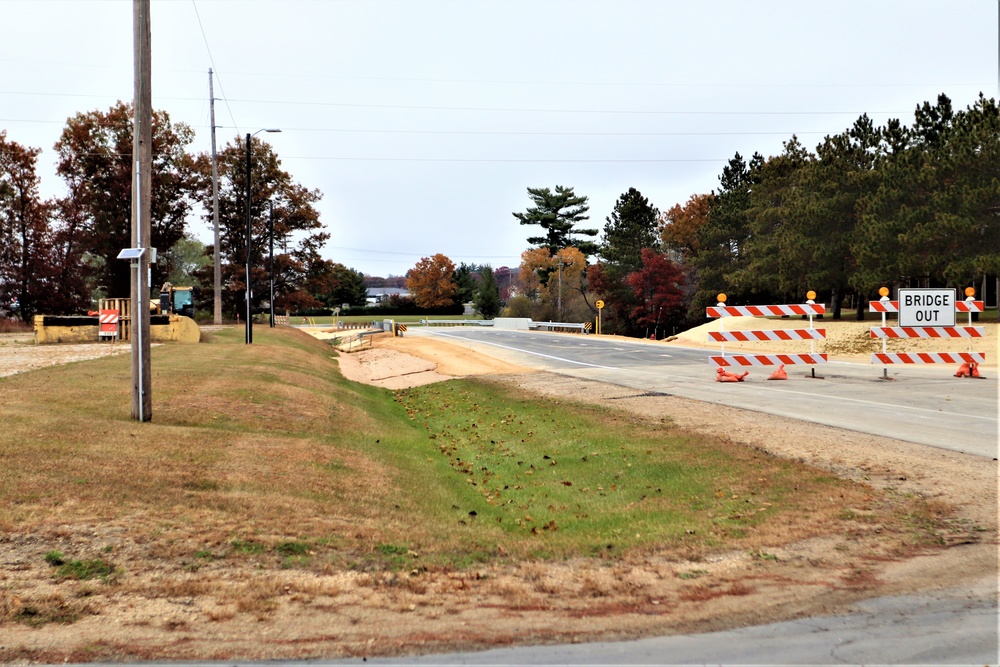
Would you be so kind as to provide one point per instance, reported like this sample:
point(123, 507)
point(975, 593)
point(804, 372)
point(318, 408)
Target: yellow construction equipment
point(175, 300)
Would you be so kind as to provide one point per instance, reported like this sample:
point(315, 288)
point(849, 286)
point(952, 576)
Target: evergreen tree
point(336, 285)
point(466, 283)
point(631, 227)
point(934, 216)
point(558, 213)
point(724, 236)
point(487, 299)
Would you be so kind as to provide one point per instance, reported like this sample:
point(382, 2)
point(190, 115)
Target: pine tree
point(558, 213)
point(487, 299)
point(630, 228)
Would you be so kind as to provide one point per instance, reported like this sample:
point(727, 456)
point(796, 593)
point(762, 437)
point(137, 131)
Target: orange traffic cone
point(779, 374)
point(974, 370)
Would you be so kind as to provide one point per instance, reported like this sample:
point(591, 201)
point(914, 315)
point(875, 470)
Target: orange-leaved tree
point(431, 282)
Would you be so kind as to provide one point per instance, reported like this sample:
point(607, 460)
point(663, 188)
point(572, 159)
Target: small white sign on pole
point(927, 307)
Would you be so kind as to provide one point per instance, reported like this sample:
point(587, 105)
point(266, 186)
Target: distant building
point(381, 294)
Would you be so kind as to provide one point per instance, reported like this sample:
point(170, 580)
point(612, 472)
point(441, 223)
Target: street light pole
point(270, 256)
point(249, 294)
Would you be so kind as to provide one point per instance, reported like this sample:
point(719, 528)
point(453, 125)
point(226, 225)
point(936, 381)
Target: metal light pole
point(249, 334)
point(270, 256)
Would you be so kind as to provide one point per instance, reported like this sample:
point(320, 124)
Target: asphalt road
point(904, 630)
point(924, 404)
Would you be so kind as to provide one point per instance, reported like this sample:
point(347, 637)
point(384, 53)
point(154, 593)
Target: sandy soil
point(18, 353)
point(845, 340)
point(295, 614)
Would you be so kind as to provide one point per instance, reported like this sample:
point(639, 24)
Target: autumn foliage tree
point(95, 161)
point(658, 289)
point(431, 282)
point(26, 253)
point(680, 224)
point(298, 232)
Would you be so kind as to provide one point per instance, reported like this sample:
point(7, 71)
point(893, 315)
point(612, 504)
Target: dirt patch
point(18, 353)
point(398, 363)
point(203, 608)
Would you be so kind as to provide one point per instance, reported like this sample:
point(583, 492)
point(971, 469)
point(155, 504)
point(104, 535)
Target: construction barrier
point(778, 335)
point(744, 360)
point(929, 357)
point(108, 327)
point(124, 309)
point(928, 332)
point(970, 358)
point(723, 310)
point(767, 334)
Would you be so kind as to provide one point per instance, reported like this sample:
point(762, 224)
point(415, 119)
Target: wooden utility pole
point(215, 203)
point(142, 158)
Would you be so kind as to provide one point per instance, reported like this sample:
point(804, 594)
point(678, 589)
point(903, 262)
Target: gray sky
point(423, 122)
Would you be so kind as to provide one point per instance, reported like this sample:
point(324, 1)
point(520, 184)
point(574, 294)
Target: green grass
point(560, 480)
point(97, 568)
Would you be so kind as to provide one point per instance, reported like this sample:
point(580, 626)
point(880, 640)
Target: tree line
point(59, 255)
point(872, 206)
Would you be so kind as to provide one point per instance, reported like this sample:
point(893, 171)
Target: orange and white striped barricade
point(108, 327)
point(811, 334)
point(885, 305)
point(746, 360)
point(929, 357)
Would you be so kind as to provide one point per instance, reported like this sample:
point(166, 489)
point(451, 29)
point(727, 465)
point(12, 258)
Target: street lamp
point(270, 256)
point(249, 336)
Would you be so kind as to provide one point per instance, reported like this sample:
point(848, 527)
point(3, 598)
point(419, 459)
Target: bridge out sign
point(927, 307)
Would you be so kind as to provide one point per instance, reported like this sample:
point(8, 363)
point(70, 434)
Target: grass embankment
point(263, 457)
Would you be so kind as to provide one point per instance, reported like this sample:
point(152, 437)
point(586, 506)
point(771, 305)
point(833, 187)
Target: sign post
point(600, 306)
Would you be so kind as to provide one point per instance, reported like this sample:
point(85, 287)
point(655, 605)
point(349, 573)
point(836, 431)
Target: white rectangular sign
point(927, 307)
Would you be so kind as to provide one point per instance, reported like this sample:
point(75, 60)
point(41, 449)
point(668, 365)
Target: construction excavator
point(176, 300)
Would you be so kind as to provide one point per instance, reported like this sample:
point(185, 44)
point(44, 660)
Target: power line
point(502, 160)
point(413, 107)
point(214, 68)
point(512, 133)
point(417, 107)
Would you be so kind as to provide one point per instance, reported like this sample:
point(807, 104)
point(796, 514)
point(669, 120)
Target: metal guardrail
point(555, 326)
point(582, 327)
point(438, 323)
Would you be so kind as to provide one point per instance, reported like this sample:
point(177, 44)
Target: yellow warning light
point(810, 295)
point(970, 291)
point(721, 298)
point(883, 291)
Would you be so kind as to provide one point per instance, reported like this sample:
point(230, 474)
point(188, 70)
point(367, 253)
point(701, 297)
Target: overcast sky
point(423, 122)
